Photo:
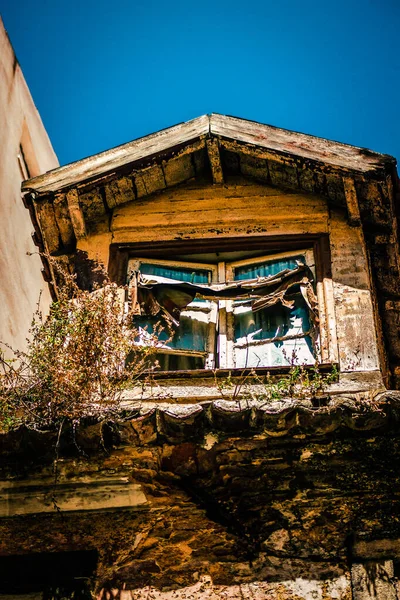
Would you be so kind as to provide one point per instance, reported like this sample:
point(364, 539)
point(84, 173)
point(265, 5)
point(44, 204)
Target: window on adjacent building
point(255, 312)
point(27, 160)
point(23, 165)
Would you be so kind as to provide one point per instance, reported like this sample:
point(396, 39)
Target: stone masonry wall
point(230, 512)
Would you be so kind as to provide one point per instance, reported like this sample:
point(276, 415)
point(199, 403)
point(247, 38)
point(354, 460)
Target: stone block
point(373, 581)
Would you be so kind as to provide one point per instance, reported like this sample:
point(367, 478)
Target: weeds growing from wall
point(75, 365)
point(301, 382)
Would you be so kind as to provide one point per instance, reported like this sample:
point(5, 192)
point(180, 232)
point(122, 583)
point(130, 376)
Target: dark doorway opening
point(55, 575)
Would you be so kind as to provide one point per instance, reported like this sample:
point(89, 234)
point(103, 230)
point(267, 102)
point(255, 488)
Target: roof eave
point(117, 157)
point(261, 137)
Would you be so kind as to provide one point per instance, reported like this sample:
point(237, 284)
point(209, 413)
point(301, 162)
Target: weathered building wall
point(285, 506)
point(20, 125)
point(210, 211)
point(356, 326)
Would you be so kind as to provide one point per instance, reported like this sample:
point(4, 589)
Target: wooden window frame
point(228, 358)
point(134, 265)
point(281, 246)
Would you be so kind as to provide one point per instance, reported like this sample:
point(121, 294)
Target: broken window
point(277, 328)
point(255, 312)
point(185, 323)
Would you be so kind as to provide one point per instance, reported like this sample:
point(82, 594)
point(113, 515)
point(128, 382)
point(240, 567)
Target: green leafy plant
point(75, 364)
point(301, 381)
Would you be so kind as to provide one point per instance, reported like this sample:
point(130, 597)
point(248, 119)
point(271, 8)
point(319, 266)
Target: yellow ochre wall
point(242, 208)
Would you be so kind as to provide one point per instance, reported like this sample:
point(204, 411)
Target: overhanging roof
point(268, 140)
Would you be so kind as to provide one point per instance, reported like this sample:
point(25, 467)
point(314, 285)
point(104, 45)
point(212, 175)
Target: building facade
point(263, 249)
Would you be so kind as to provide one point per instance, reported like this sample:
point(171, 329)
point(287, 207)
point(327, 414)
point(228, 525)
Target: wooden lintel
point(350, 193)
point(75, 211)
point(215, 161)
point(78, 494)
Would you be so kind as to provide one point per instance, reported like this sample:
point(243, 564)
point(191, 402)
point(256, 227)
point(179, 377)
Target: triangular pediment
point(263, 141)
point(177, 192)
point(212, 150)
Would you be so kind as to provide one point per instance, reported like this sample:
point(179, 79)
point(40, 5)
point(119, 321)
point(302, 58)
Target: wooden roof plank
point(121, 155)
point(298, 144)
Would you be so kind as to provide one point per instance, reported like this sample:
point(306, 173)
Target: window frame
point(275, 246)
point(209, 354)
point(228, 357)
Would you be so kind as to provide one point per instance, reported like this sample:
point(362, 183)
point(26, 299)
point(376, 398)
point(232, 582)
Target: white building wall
point(21, 280)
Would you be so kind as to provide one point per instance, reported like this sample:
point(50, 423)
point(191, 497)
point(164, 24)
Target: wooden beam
point(271, 140)
point(149, 180)
point(215, 161)
point(92, 205)
point(350, 193)
point(75, 211)
point(298, 145)
point(258, 153)
point(178, 169)
point(48, 225)
point(82, 494)
point(119, 191)
point(175, 170)
point(63, 219)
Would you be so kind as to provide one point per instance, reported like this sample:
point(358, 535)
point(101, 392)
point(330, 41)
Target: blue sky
point(103, 73)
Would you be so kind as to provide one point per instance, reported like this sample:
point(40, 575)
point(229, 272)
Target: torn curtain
point(151, 297)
